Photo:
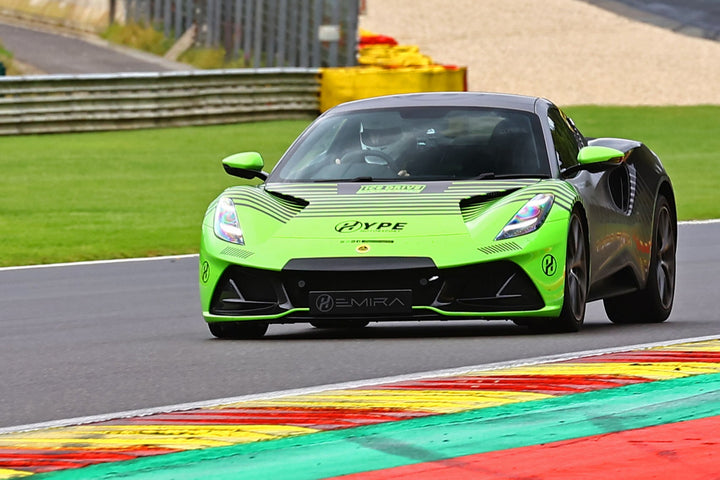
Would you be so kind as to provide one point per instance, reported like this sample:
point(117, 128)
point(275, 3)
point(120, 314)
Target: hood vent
point(289, 201)
point(472, 207)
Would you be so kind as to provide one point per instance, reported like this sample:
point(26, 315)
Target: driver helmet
point(382, 133)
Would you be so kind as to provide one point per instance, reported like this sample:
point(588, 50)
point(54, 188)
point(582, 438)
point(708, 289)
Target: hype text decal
point(354, 226)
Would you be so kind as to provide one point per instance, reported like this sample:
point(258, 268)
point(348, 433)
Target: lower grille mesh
point(487, 287)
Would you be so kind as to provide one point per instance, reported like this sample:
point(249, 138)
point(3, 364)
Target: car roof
point(443, 99)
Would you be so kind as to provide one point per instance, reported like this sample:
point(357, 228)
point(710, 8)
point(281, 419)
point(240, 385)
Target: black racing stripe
point(270, 213)
point(272, 210)
point(384, 214)
point(268, 202)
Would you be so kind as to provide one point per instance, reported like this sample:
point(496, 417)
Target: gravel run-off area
point(569, 51)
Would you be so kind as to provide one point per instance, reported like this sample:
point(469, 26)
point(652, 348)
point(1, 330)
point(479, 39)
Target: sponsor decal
point(352, 226)
point(549, 265)
point(402, 188)
point(205, 271)
point(353, 240)
point(324, 303)
point(356, 302)
point(392, 188)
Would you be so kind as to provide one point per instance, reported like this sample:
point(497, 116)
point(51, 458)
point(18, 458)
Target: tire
point(349, 324)
point(238, 330)
point(572, 315)
point(653, 303)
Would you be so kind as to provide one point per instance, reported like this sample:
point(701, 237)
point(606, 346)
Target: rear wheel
point(653, 303)
point(239, 330)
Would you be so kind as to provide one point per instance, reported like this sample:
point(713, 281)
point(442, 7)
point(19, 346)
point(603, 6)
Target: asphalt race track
point(97, 338)
point(60, 54)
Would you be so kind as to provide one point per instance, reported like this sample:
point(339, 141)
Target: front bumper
point(495, 289)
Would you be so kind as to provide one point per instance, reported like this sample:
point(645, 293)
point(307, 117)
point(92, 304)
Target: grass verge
point(149, 39)
point(687, 140)
point(6, 59)
point(85, 196)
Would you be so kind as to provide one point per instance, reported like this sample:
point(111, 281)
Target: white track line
point(193, 255)
point(699, 222)
point(341, 386)
point(99, 262)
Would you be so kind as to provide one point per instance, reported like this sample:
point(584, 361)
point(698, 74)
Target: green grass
point(138, 35)
point(150, 39)
point(84, 196)
point(687, 140)
point(70, 197)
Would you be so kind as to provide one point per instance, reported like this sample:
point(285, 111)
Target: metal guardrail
point(73, 103)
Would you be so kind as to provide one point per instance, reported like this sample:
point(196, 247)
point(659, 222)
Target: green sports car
point(452, 206)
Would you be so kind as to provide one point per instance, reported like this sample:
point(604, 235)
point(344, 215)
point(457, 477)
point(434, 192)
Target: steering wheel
point(358, 155)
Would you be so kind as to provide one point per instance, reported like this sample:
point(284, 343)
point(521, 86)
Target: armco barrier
point(70, 103)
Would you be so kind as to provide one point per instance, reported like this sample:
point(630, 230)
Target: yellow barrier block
point(393, 56)
point(339, 85)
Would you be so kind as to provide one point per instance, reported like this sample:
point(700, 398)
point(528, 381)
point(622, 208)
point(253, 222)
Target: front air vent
point(471, 208)
point(236, 252)
point(503, 247)
point(290, 202)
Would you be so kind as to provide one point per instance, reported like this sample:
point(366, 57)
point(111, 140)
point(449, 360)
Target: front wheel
point(238, 330)
point(572, 314)
point(653, 303)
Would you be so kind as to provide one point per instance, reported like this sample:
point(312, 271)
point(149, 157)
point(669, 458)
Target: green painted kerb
point(429, 439)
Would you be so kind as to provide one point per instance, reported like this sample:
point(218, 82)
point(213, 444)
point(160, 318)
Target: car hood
point(379, 209)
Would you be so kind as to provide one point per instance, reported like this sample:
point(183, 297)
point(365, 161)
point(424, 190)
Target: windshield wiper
point(522, 175)
point(484, 175)
point(345, 180)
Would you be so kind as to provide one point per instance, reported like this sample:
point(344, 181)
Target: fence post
point(257, 44)
point(281, 34)
point(351, 33)
point(200, 13)
point(316, 59)
point(305, 32)
point(270, 27)
point(248, 32)
point(292, 36)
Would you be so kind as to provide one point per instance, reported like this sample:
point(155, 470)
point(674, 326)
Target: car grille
point(486, 287)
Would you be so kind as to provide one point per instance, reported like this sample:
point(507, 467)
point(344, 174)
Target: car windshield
point(433, 143)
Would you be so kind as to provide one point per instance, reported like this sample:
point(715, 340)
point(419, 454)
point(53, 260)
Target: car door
point(609, 200)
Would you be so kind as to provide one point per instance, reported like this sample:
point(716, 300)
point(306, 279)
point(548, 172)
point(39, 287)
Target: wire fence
point(261, 33)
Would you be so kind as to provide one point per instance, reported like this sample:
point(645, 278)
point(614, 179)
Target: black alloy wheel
point(653, 303)
point(572, 315)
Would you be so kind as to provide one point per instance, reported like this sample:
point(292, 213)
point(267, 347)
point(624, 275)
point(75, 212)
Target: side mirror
point(595, 158)
point(245, 165)
point(593, 155)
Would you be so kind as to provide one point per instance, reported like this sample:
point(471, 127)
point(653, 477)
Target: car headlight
point(227, 226)
point(529, 218)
